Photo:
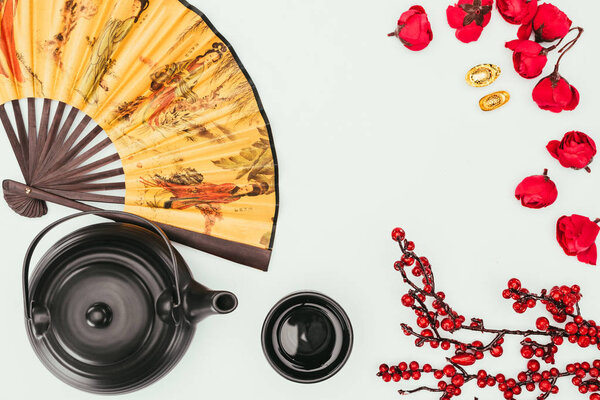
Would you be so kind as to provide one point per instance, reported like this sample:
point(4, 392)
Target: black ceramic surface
point(307, 337)
point(102, 308)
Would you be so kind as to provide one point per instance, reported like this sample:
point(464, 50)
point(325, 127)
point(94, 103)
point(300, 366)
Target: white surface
point(369, 136)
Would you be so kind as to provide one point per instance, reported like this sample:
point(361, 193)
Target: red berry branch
point(438, 322)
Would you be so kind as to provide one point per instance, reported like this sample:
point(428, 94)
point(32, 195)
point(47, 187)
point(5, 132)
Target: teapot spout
point(200, 302)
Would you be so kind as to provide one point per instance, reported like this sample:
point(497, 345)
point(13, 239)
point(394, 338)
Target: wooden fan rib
point(32, 134)
point(93, 197)
point(89, 154)
point(59, 154)
point(58, 141)
point(85, 169)
point(87, 178)
point(71, 161)
point(58, 114)
point(75, 135)
point(12, 138)
point(88, 187)
point(21, 131)
point(87, 139)
point(43, 131)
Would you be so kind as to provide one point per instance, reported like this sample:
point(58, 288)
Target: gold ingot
point(483, 75)
point(494, 100)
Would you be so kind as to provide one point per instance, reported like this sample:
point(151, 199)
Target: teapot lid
point(307, 337)
point(101, 316)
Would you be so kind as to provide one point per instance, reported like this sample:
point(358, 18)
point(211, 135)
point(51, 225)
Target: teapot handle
point(125, 216)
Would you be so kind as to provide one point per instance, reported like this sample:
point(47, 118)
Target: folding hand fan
point(194, 150)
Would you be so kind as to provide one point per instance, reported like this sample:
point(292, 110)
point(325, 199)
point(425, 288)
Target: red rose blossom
point(576, 150)
point(550, 23)
point(554, 93)
point(536, 191)
point(414, 30)
point(577, 237)
point(517, 12)
point(469, 17)
point(529, 57)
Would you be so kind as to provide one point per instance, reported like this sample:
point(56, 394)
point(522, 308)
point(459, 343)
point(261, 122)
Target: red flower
point(554, 93)
point(576, 150)
point(529, 58)
point(550, 23)
point(469, 17)
point(517, 12)
point(536, 191)
point(414, 30)
point(577, 237)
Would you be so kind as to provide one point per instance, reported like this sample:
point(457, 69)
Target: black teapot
point(112, 307)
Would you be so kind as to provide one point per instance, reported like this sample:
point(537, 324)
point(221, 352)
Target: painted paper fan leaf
point(193, 145)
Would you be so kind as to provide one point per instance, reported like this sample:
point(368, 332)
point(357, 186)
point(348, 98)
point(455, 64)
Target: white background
point(369, 136)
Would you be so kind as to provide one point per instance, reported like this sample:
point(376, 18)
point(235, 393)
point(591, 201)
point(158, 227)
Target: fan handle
point(237, 252)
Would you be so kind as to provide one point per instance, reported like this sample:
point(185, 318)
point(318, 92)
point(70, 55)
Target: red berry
point(398, 234)
point(496, 351)
point(526, 352)
point(410, 246)
point(386, 377)
point(583, 341)
point(571, 328)
point(533, 365)
point(449, 370)
point(447, 324)
point(542, 323)
point(408, 300)
point(423, 322)
point(545, 386)
point(384, 368)
point(458, 380)
point(514, 284)
point(519, 307)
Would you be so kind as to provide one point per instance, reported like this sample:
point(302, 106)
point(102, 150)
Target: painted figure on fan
point(11, 68)
point(176, 81)
point(104, 47)
point(188, 189)
point(186, 196)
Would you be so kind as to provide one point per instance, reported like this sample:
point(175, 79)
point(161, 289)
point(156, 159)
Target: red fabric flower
point(414, 30)
point(469, 17)
point(550, 23)
point(529, 57)
point(577, 237)
point(517, 12)
point(554, 93)
point(576, 150)
point(536, 191)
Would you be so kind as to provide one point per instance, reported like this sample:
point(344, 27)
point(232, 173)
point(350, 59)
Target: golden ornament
point(494, 100)
point(483, 75)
